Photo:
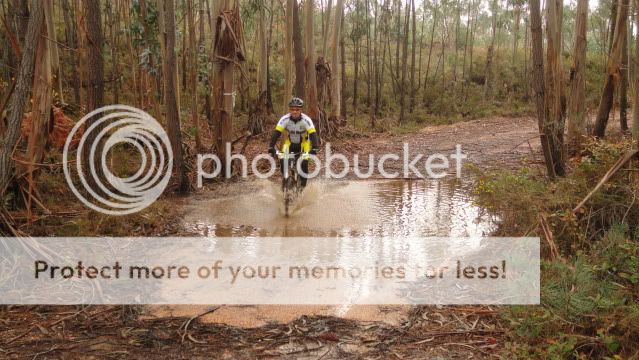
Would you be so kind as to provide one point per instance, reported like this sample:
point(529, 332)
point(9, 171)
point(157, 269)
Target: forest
point(541, 95)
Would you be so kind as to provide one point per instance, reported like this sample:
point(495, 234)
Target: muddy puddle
point(328, 209)
point(341, 208)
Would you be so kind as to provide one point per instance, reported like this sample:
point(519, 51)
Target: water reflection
point(343, 209)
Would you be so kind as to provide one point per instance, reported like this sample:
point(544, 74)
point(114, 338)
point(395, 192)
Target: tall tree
point(54, 55)
point(412, 61)
point(635, 108)
point(613, 70)
point(554, 125)
point(577, 102)
point(623, 88)
point(402, 90)
point(167, 32)
point(193, 70)
point(335, 78)
point(95, 85)
point(311, 75)
point(494, 8)
point(325, 28)
point(21, 8)
point(21, 94)
point(228, 48)
point(538, 84)
point(70, 37)
point(430, 45)
point(298, 51)
point(288, 54)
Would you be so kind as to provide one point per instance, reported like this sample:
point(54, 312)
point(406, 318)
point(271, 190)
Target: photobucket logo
point(120, 124)
point(405, 165)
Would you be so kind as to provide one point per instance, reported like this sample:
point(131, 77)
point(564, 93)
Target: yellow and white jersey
point(298, 131)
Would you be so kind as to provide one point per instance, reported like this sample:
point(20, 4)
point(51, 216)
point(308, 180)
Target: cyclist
point(301, 138)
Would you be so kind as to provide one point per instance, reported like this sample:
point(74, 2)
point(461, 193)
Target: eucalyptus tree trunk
point(325, 29)
point(54, 55)
point(577, 102)
point(517, 18)
point(288, 55)
point(298, 50)
point(402, 89)
point(311, 75)
point(613, 70)
point(71, 40)
point(430, 48)
point(412, 62)
point(635, 108)
point(167, 33)
point(538, 83)
point(554, 125)
point(21, 93)
point(491, 52)
point(95, 84)
point(335, 77)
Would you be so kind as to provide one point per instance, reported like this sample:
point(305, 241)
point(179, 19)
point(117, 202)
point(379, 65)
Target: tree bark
point(298, 51)
point(613, 70)
point(21, 94)
point(95, 86)
point(538, 83)
point(342, 73)
point(412, 61)
point(554, 125)
point(70, 36)
point(170, 97)
point(21, 8)
point(635, 108)
point(623, 88)
point(325, 29)
point(577, 103)
point(313, 108)
point(335, 77)
point(288, 55)
point(404, 69)
point(491, 50)
point(517, 15)
point(54, 55)
point(430, 48)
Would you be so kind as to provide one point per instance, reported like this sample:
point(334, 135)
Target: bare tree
point(298, 52)
point(494, 8)
point(311, 82)
point(167, 32)
point(538, 84)
point(21, 94)
point(554, 124)
point(613, 70)
point(576, 107)
point(288, 54)
point(335, 78)
point(404, 69)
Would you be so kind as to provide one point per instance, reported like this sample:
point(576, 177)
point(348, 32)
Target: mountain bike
point(291, 184)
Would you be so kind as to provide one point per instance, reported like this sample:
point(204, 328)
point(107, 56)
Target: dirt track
point(379, 332)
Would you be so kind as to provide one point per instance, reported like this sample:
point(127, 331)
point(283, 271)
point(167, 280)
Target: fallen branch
point(554, 251)
point(186, 324)
point(621, 162)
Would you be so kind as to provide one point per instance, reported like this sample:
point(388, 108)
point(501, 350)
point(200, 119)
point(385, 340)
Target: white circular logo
point(130, 125)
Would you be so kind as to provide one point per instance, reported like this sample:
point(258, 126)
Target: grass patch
point(589, 298)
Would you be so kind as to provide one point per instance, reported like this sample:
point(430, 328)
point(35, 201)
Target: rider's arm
point(274, 137)
point(315, 141)
point(281, 125)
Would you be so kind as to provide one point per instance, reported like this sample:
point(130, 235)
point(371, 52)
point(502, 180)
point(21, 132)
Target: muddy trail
point(328, 208)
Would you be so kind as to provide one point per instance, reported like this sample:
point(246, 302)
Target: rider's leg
point(304, 173)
